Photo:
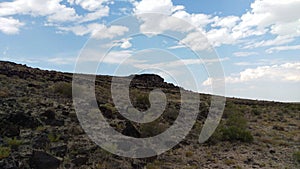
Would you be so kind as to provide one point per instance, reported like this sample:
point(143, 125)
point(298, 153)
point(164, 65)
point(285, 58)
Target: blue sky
point(257, 41)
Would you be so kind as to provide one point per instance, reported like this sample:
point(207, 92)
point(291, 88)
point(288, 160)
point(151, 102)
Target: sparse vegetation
point(110, 107)
point(233, 129)
point(4, 92)
point(154, 165)
point(256, 111)
point(140, 100)
point(189, 154)
point(40, 128)
point(53, 137)
point(29, 132)
point(228, 161)
point(63, 88)
point(13, 141)
point(233, 133)
point(4, 152)
point(296, 156)
point(152, 129)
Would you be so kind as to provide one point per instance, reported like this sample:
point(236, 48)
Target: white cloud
point(218, 37)
point(177, 47)
point(95, 15)
point(53, 9)
point(62, 61)
point(196, 41)
point(281, 18)
point(90, 5)
point(156, 24)
point(287, 72)
point(97, 31)
point(96, 9)
point(226, 22)
point(198, 20)
point(168, 8)
point(126, 44)
point(175, 18)
point(279, 40)
point(244, 54)
point(157, 6)
point(10, 25)
point(283, 48)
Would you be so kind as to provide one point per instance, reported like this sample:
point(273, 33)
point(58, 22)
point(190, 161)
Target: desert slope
point(39, 127)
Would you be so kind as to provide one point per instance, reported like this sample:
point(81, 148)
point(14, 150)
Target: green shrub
point(13, 141)
point(233, 133)
point(154, 165)
point(256, 112)
point(142, 99)
point(63, 88)
point(296, 156)
point(53, 137)
point(233, 129)
point(41, 128)
point(4, 152)
point(237, 120)
point(152, 129)
point(110, 107)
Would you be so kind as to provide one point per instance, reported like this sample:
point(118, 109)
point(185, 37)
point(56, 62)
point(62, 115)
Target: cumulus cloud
point(97, 31)
point(10, 25)
point(126, 44)
point(287, 72)
point(280, 18)
point(156, 24)
point(175, 18)
point(198, 20)
point(265, 17)
point(196, 41)
point(226, 22)
point(55, 11)
point(157, 6)
point(96, 9)
point(276, 17)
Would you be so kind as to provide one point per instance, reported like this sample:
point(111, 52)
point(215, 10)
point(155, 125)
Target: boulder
point(42, 160)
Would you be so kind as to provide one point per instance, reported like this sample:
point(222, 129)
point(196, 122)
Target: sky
point(256, 42)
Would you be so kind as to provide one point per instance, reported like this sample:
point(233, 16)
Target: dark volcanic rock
point(130, 130)
point(42, 160)
point(40, 141)
point(23, 120)
point(80, 161)
point(9, 130)
point(8, 163)
point(59, 150)
point(148, 80)
point(50, 114)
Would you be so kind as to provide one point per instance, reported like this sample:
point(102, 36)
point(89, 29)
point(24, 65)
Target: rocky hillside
point(39, 128)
